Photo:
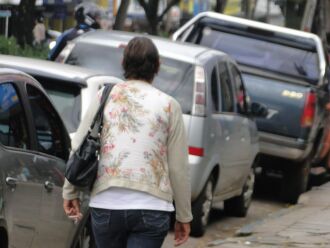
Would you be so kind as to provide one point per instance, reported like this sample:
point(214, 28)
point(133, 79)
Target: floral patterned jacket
point(143, 145)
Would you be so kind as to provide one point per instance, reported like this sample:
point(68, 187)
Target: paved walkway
point(305, 225)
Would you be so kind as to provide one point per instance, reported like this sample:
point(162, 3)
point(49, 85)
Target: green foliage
point(164, 34)
point(9, 46)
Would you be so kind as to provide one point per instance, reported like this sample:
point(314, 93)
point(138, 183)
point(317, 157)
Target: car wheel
point(295, 181)
point(85, 238)
point(239, 205)
point(201, 209)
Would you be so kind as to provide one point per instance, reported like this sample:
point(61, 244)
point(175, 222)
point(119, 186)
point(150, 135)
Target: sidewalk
point(305, 225)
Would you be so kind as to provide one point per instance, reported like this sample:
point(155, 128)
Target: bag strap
point(98, 119)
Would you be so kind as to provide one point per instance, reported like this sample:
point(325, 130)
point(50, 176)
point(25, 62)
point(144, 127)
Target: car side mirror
point(258, 110)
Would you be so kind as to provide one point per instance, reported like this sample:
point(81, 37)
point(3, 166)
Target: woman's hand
point(181, 233)
point(72, 207)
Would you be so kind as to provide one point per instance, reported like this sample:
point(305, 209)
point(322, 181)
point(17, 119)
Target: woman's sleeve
point(178, 164)
point(69, 191)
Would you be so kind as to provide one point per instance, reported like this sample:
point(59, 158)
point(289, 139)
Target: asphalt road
point(221, 226)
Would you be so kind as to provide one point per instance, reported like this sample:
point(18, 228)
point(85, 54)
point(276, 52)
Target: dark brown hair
point(141, 59)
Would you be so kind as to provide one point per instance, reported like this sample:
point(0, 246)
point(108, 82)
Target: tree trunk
point(121, 15)
point(153, 22)
point(220, 6)
point(151, 12)
point(153, 16)
point(23, 22)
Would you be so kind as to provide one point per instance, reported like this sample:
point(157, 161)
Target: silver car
point(223, 140)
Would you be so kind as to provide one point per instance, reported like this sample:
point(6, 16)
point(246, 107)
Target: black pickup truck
point(284, 69)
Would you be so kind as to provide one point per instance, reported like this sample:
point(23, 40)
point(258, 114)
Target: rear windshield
point(67, 101)
point(264, 54)
point(175, 77)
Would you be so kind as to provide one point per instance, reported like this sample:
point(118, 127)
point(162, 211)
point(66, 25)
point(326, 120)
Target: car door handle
point(11, 181)
point(49, 186)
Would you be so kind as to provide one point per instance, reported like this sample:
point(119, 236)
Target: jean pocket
point(156, 219)
point(100, 218)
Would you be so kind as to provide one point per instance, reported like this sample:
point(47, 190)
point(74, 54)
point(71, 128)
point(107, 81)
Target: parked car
point(34, 145)
point(284, 69)
point(71, 88)
point(223, 140)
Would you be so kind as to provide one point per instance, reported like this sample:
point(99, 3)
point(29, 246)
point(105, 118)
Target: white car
point(70, 88)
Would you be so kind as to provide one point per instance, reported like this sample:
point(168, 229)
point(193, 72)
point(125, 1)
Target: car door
point(231, 173)
point(241, 113)
point(243, 135)
point(219, 129)
point(54, 228)
point(22, 188)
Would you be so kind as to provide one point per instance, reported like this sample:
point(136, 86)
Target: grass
point(9, 46)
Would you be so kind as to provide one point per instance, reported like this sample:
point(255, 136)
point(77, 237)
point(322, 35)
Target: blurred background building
point(308, 15)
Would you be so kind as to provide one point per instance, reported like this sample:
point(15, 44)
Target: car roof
point(8, 74)
point(9, 71)
point(248, 23)
point(297, 36)
point(48, 69)
point(187, 52)
point(13, 73)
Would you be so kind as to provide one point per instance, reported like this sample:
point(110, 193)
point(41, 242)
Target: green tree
point(23, 22)
point(151, 11)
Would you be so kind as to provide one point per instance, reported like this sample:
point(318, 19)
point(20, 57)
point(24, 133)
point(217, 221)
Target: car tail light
point(199, 92)
point(307, 117)
point(197, 151)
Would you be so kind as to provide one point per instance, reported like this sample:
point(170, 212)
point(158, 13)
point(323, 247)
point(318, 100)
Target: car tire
point(295, 181)
point(201, 209)
point(238, 206)
point(84, 237)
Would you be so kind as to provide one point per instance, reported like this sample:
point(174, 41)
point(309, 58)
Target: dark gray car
point(34, 146)
point(285, 70)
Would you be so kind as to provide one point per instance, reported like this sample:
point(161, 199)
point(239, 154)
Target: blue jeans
point(129, 228)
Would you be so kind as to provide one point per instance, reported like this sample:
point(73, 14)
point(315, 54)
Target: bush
point(9, 46)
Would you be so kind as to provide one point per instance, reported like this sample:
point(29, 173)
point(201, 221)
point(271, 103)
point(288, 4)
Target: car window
point(264, 54)
point(175, 78)
point(48, 126)
point(239, 89)
point(67, 100)
point(227, 101)
point(13, 123)
point(215, 91)
point(102, 58)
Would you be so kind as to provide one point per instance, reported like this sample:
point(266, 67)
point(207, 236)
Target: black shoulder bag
point(81, 168)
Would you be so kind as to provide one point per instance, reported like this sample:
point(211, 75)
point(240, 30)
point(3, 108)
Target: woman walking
point(143, 160)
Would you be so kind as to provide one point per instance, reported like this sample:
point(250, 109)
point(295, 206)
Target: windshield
point(67, 101)
point(175, 77)
point(97, 57)
point(264, 54)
